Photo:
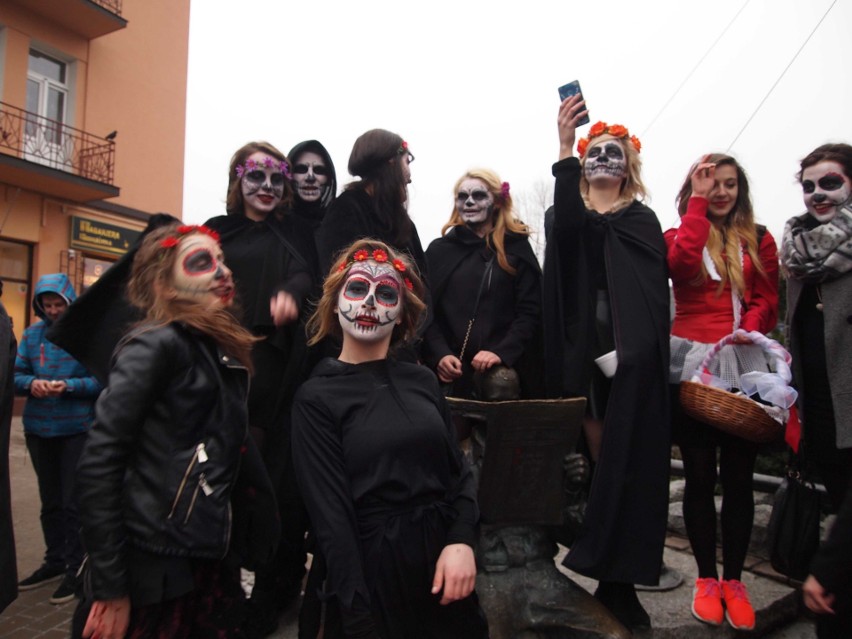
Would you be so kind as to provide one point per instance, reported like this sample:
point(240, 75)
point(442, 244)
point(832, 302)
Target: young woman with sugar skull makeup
point(815, 255)
point(392, 500)
point(606, 288)
point(160, 469)
point(272, 279)
point(724, 269)
point(483, 247)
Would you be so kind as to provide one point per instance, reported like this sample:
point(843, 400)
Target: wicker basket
point(734, 414)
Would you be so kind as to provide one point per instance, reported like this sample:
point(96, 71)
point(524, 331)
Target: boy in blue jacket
point(58, 413)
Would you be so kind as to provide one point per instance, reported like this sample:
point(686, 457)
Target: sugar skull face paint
point(605, 161)
point(310, 176)
point(825, 188)
point(474, 202)
point(200, 274)
point(262, 186)
point(370, 302)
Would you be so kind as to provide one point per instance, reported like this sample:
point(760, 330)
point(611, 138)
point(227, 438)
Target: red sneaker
point(738, 610)
point(707, 601)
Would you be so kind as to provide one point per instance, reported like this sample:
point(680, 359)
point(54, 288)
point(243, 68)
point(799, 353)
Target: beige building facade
point(92, 130)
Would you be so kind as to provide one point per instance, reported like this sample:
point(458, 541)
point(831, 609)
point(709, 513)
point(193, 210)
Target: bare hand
point(57, 387)
point(108, 619)
point(455, 573)
point(571, 111)
point(449, 368)
point(484, 360)
point(283, 309)
point(816, 597)
point(703, 178)
point(40, 388)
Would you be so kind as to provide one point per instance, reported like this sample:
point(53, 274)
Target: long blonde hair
point(503, 214)
point(152, 274)
point(738, 229)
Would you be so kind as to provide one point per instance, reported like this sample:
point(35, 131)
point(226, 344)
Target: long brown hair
point(738, 228)
point(324, 322)
point(503, 215)
point(375, 158)
point(152, 274)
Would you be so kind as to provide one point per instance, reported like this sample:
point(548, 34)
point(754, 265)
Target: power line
point(772, 88)
point(694, 69)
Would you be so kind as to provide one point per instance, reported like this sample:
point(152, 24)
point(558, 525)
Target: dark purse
point(793, 532)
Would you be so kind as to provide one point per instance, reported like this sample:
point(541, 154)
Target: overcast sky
point(474, 83)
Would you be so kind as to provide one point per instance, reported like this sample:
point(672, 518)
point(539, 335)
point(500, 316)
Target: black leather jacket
point(162, 457)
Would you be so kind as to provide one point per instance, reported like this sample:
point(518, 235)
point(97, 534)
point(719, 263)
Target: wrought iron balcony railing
point(110, 5)
point(37, 139)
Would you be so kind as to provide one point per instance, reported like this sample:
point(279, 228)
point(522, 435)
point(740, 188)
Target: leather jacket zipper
point(200, 455)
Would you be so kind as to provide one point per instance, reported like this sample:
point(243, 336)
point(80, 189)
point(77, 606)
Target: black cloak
point(625, 523)
point(8, 565)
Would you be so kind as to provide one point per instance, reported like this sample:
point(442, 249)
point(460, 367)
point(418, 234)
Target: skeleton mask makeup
point(370, 302)
point(310, 176)
point(605, 161)
point(262, 186)
point(200, 274)
point(826, 188)
point(474, 202)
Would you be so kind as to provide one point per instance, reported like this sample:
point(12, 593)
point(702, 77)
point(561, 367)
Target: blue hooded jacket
point(73, 411)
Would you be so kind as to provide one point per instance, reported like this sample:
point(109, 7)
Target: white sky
point(474, 83)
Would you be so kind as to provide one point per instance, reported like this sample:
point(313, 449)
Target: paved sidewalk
point(32, 617)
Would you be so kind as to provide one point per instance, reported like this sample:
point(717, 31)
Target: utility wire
point(772, 88)
point(694, 69)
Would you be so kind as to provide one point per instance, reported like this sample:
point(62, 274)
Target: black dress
point(625, 523)
point(509, 312)
point(386, 488)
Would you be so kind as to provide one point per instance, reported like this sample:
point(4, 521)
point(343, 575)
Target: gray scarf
point(820, 254)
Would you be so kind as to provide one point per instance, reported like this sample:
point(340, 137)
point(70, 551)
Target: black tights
point(736, 465)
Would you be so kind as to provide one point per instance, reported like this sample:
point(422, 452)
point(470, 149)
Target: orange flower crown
point(377, 255)
point(615, 130)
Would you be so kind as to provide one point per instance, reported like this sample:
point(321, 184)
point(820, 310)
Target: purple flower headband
point(267, 162)
point(504, 190)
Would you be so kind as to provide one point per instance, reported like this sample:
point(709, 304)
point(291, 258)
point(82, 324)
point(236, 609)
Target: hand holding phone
point(573, 88)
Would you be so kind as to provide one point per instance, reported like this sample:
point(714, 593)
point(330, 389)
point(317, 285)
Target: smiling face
point(723, 196)
point(310, 176)
point(605, 162)
point(262, 186)
point(826, 188)
point(474, 202)
point(369, 304)
point(200, 275)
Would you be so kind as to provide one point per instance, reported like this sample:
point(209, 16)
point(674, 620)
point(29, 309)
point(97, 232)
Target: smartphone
point(572, 88)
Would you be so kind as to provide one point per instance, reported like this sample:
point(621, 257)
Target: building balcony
point(45, 156)
point(89, 18)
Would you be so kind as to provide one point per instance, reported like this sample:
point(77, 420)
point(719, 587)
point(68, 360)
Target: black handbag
point(793, 532)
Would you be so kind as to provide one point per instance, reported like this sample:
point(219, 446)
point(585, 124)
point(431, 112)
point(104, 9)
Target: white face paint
point(826, 188)
point(605, 162)
point(200, 274)
point(310, 176)
point(262, 186)
point(370, 302)
point(474, 202)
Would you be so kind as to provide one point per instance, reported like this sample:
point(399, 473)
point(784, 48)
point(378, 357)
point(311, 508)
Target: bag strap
point(486, 275)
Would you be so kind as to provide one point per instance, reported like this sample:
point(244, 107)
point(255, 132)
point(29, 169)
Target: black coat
point(142, 480)
point(509, 312)
point(625, 522)
point(8, 565)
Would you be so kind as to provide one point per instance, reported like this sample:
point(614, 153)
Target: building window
point(15, 273)
point(47, 98)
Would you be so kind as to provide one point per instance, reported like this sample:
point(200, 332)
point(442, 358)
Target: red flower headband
point(173, 240)
point(615, 130)
point(378, 255)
